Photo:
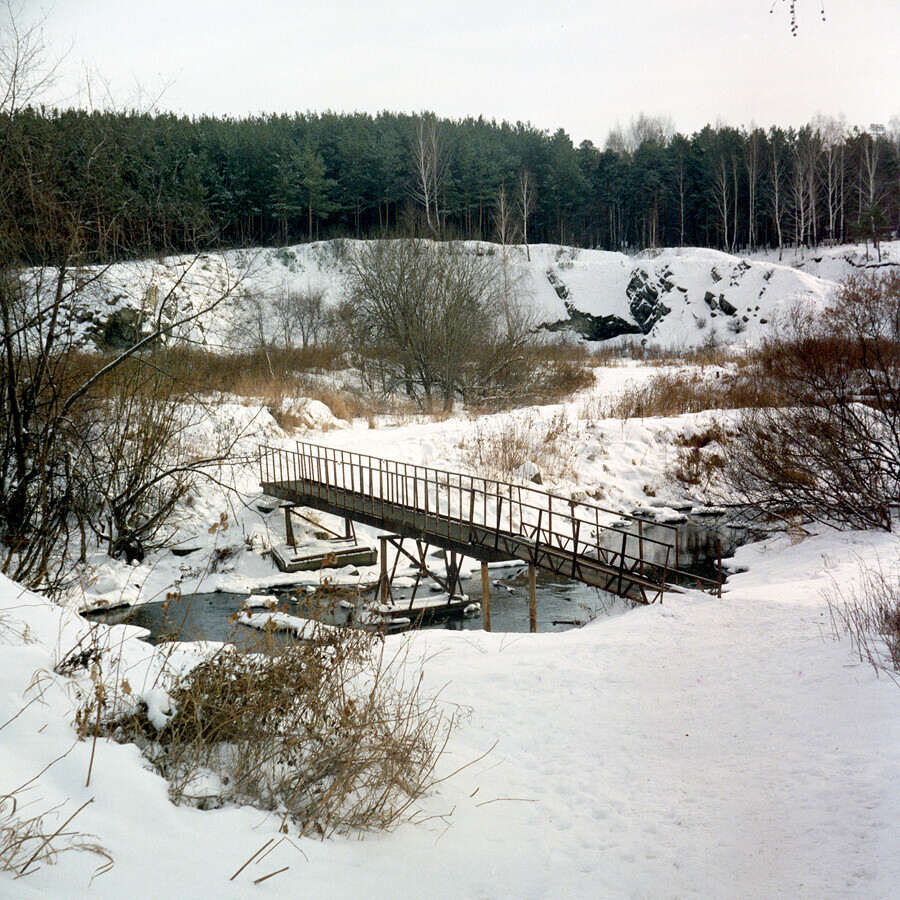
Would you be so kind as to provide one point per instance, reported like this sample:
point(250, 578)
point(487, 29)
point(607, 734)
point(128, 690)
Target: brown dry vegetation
point(710, 353)
point(321, 732)
point(869, 612)
point(499, 447)
point(828, 441)
point(678, 393)
point(544, 373)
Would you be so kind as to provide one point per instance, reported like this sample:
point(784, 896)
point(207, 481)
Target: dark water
point(212, 617)
point(561, 604)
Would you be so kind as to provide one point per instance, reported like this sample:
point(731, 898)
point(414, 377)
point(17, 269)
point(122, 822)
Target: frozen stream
point(561, 604)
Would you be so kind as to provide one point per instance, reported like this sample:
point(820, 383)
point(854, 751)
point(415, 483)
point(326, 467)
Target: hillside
point(676, 297)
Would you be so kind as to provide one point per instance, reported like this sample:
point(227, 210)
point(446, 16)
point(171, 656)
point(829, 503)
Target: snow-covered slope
point(676, 297)
point(668, 297)
point(837, 263)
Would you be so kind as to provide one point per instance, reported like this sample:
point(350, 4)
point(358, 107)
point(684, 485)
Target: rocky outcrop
point(597, 328)
point(644, 292)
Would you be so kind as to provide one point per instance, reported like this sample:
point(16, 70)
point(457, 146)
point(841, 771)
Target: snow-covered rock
point(669, 297)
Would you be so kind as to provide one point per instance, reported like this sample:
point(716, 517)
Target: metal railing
point(481, 509)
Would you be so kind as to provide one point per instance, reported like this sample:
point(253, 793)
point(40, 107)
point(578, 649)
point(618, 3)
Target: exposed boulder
point(596, 328)
point(644, 298)
point(558, 285)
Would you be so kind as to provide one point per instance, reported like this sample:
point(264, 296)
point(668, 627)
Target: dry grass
point(29, 841)
point(869, 612)
point(320, 732)
point(699, 460)
point(711, 353)
point(504, 447)
point(678, 393)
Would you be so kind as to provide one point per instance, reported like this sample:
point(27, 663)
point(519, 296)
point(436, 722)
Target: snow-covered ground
point(700, 748)
point(680, 297)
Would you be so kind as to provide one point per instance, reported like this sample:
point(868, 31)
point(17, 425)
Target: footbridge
point(482, 518)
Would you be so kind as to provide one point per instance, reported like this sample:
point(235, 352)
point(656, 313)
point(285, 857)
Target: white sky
point(582, 65)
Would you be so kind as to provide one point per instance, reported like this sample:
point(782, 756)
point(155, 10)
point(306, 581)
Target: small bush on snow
point(869, 612)
point(319, 731)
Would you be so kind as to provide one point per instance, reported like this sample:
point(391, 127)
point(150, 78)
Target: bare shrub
point(828, 442)
point(137, 463)
point(678, 393)
point(432, 319)
point(507, 447)
point(700, 455)
point(869, 612)
point(696, 467)
point(319, 731)
point(301, 312)
point(251, 322)
point(539, 373)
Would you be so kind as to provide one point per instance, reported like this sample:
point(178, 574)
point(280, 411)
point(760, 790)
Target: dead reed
point(321, 732)
point(678, 393)
point(868, 610)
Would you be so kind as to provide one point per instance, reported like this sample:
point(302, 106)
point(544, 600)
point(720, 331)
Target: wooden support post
point(719, 559)
point(384, 587)
point(532, 599)
point(289, 528)
point(622, 563)
point(485, 597)
point(349, 531)
point(452, 576)
point(641, 544)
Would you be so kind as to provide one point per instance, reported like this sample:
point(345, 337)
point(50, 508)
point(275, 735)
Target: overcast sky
point(583, 65)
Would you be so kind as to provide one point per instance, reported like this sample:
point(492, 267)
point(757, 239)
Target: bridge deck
point(481, 518)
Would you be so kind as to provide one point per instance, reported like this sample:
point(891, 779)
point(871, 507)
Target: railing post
point(576, 527)
point(641, 544)
point(384, 586)
point(719, 560)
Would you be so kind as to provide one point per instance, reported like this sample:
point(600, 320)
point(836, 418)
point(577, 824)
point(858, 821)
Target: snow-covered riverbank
point(702, 748)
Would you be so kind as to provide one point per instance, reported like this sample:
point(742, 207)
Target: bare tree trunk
point(751, 162)
point(776, 196)
point(430, 168)
point(721, 182)
point(525, 203)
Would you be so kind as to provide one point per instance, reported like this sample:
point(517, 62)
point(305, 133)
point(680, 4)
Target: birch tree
point(832, 134)
point(777, 180)
point(525, 200)
point(753, 148)
point(722, 194)
point(430, 168)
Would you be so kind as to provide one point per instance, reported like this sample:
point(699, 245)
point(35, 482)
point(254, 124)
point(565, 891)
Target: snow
point(691, 282)
point(304, 629)
point(701, 748)
point(837, 262)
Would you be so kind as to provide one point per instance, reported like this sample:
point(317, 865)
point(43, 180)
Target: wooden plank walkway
point(477, 517)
